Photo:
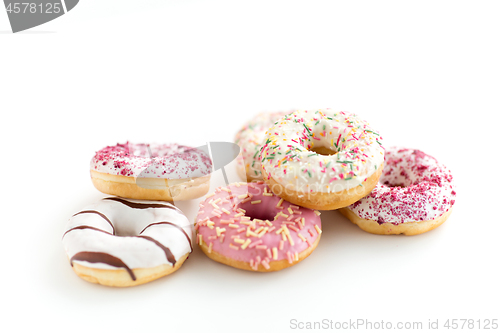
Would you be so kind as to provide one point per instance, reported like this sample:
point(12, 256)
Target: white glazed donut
point(151, 171)
point(415, 194)
point(321, 159)
point(250, 139)
point(118, 242)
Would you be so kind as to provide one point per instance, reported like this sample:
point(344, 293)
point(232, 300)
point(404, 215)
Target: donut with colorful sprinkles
point(244, 225)
point(415, 194)
point(250, 139)
point(151, 171)
point(321, 159)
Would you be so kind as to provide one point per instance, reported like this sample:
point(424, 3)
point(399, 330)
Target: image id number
point(462, 324)
point(32, 8)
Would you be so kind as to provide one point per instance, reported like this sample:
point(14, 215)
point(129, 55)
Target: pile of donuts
point(294, 164)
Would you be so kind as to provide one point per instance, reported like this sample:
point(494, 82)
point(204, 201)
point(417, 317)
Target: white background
point(425, 74)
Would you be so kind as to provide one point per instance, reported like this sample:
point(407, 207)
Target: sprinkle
point(234, 247)
point(281, 245)
point(263, 232)
point(318, 229)
point(225, 211)
point(232, 225)
point(275, 253)
point(289, 256)
point(250, 233)
point(200, 239)
point(256, 202)
point(219, 231)
point(242, 196)
point(260, 247)
point(280, 202)
point(254, 244)
point(317, 213)
point(247, 242)
point(210, 247)
point(301, 237)
point(238, 240)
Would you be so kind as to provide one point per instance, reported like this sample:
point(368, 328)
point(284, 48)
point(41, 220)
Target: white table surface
point(425, 74)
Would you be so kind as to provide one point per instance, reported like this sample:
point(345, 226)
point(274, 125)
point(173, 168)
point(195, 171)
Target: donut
point(244, 225)
point(415, 194)
point(121, 243)
point(321, 159)
point(151, 171)
point(250, 138)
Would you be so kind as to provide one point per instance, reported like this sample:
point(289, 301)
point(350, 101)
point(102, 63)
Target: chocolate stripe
point(96, 257)
point(141, 205)
point(175, 225)
point(98, 213)
point(86, 227)
point(168, 253)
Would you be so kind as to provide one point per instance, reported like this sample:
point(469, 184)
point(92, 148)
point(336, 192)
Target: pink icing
point(170, 161)
point(413, 187)
point(227, 209)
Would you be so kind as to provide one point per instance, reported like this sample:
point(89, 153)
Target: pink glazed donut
point(246, 226)
point(415, 194)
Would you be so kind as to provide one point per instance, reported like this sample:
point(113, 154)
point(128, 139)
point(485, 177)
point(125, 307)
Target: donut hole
point(258, 211)
point(322, 150)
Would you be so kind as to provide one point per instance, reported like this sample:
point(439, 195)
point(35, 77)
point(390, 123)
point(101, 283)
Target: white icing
point(135, 252)
point(413, 187)
point(165, 161)
point(250, 139)
point(287, 156)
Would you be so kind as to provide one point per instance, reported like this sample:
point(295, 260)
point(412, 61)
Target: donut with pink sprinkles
point(245, 225)
point(415, 194)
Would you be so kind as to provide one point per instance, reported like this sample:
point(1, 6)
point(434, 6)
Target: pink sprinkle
point(289, 256)
point(308, 242)
point(254, 244)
